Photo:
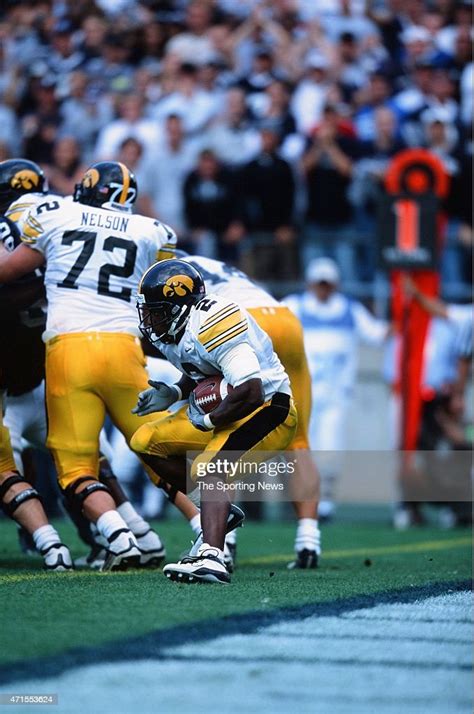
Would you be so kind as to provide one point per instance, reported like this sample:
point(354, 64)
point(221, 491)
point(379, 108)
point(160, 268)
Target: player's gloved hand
point(157, 399)
point(200, 421)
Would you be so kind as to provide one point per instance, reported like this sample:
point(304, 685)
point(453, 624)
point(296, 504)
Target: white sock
point(195, 497)
point(109, 522)
point(44, 536)
point(195, 523)
point(231, 537)
point(308, 535)
point(134, 521)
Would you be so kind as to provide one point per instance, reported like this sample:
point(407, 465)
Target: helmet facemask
point(163, 322)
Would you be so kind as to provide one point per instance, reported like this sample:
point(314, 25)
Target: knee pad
point(75, 501)
point(26, 495)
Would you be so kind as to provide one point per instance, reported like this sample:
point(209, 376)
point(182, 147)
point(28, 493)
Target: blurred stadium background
point(242, 120)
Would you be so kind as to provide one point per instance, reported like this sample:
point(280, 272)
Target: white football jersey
point(95, 258)
point(217, 339)
point(18, 210)
point(231, 283)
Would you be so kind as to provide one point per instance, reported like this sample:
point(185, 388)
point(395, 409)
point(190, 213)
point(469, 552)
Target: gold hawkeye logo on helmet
point(26, 179)
point(178, 285)
point(90, 179)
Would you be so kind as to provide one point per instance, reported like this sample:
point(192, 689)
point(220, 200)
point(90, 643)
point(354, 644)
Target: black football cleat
point(122, 552)
point(235, 519)
point(305, 560)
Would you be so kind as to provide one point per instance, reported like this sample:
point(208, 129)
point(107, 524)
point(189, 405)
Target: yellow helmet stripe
point(126, 183)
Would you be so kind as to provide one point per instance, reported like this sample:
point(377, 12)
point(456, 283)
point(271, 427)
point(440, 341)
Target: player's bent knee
point(76, 496)
point(10, 505)
point(142, 440)
point(299, 442)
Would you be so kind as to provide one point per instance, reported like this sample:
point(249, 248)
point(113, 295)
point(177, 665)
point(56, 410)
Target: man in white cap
point(333, 324)
point(311, 93)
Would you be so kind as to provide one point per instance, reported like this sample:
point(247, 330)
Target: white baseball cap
point(316, 60)
point(415, 33)
point(322, 270)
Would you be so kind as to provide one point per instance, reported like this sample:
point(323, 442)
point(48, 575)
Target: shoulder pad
point(224, 321)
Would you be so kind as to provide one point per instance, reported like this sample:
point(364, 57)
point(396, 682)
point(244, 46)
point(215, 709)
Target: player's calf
point(94, 500)
point(152, 549)
point(22, 503)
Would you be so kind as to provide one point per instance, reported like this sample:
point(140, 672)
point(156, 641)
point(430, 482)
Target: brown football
point(210, 392)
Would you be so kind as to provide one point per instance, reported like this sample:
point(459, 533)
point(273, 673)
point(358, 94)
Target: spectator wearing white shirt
point(83, 113)
point(196, 106)
point(442, 92)
point(311, 93)
point(131, 154)
point(165, 172)
point(131, 123)
point(193, 44)
point(374, 95)
point(333, 325)
point(232, 136)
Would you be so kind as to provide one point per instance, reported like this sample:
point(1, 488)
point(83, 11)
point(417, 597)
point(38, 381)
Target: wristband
point(179, 390)
point(208, 422)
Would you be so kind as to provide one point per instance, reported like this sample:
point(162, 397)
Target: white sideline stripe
point(372, 664)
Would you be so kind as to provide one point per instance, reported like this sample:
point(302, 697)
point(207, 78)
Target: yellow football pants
point(271, 427)
point(286, 334)
point(7, 462)
point(87, 376)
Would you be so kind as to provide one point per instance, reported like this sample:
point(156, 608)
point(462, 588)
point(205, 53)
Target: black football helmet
point(107, 182)
point(166, 293)
point(17, 177)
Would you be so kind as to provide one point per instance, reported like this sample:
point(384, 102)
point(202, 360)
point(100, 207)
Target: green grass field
point(47, 614)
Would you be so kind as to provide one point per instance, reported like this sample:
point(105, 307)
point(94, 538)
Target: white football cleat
point(122, 551)
point(152, 550)
point(57, 558)
point(206, 567)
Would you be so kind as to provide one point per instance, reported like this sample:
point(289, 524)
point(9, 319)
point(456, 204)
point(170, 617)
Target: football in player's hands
point(210, 393)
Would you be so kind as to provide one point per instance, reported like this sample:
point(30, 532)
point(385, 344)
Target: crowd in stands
point(260, 131)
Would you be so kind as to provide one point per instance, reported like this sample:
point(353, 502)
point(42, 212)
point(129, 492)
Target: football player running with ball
point(94, 251)
point(207, 335)
point(286, 334)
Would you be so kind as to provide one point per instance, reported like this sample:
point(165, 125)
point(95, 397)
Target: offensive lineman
point(95, 251)
point(25, 409)
point(21, 368)
point(204, 335)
